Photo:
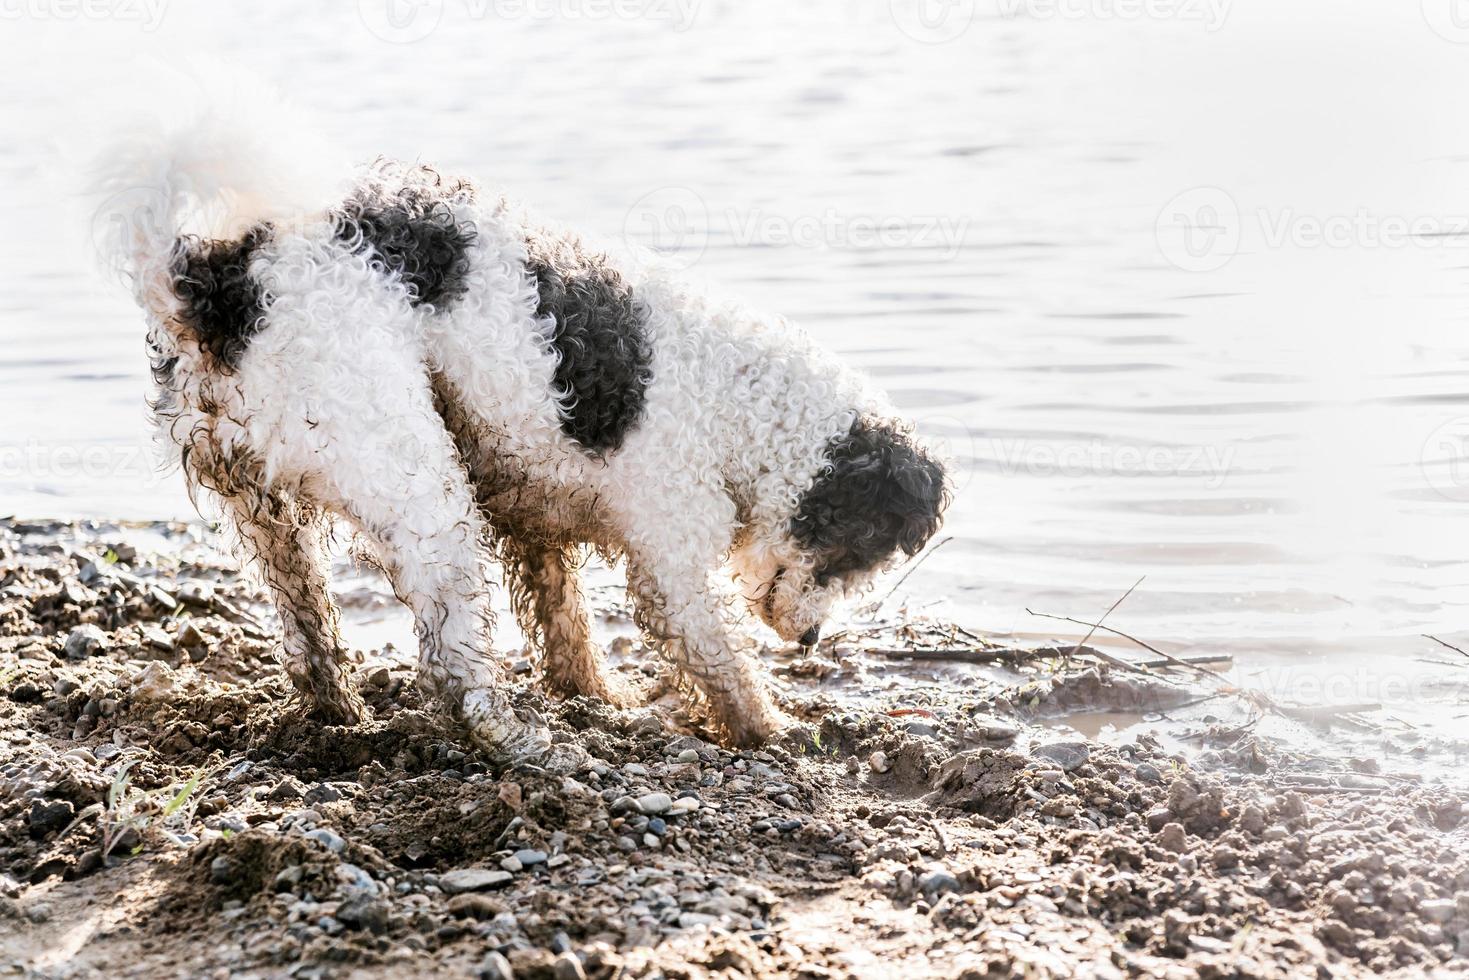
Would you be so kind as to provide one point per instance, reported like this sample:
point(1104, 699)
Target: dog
point(461, 384)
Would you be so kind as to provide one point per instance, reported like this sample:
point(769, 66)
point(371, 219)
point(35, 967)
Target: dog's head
point(878, 497)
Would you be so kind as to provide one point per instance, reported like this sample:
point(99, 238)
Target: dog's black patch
point(878, 494)
point(220, 300)
point(407, 222)
point(600, 337)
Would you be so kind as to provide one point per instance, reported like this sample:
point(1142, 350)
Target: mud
point(165, 810)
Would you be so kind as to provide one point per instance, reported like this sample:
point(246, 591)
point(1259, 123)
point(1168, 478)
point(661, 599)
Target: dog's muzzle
point(809, 638)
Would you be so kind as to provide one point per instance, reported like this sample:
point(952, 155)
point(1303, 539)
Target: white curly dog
point(411, 355)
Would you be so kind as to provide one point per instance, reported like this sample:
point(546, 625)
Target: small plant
point(129, 808)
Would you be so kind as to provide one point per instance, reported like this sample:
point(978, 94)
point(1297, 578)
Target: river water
point(1180, 286)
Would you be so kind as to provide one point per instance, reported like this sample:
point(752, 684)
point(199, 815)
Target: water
point(1265, 426)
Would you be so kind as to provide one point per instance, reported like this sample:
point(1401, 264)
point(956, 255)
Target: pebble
point(568, 967)
point(495, 967)
point(878, 762)
point(688, 755)
point(473, 880)
point(686, 804)
point(45, 818)
point(472, 905)
point(1440, 910)
point(369, 914)
point(512, 864)
point(657, 826)
point(530, 856)
point(1067, 755)
point(937, 882)
point(654, 803)
point(1172, 838)
point(328, 839)
point(84, 641)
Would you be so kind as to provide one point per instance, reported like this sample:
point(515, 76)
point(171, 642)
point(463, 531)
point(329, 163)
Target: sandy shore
point(164, 812)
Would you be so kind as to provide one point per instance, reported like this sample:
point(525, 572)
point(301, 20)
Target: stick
point(1114, 605)
point(982, 655)
point(1176, 661)
point(911, 569)
point(1430, 636)
point(1325, 712)
point(1212, 658)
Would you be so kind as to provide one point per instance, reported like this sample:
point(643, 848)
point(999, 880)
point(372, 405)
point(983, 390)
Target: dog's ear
point(879, 494)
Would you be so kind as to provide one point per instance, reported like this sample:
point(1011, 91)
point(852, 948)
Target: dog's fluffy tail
point(235, 157)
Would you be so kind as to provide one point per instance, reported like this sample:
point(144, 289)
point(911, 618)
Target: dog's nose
point(809, 638)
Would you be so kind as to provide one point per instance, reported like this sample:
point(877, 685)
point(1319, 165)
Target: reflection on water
point(989, 225)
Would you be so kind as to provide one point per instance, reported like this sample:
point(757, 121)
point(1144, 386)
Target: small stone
point(1173, 838)
point(328, 839)
point(557, 860)
point(937, 882)
point(85, 641)
point(495, 967)
point(654, 803)
point(473, 880)
point(512, 864)
point(685, 804)
point(688, 755)
point(45, 818)
point(1147, 773)
point(322, 793)
point(568, 967)
point(530, 856)
point(878, 762)
point(1440, 910)
point(472, 905)
point(651, 840)
point(1067, 755)
point(155, 682)
point(365, 913)
point(657, 826)
point(221, 870)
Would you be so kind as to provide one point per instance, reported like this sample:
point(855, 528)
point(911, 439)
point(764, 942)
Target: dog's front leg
point(670, 574)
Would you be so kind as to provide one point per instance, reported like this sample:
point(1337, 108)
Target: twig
point(1120, 600)
point(1430, 636)
point(911, 569)
point(989, 655)
point(1313, 789)
point(1211, 658)
point(1176, 661)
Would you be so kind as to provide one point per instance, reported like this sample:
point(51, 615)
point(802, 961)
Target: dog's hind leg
point(405, 489)
point(287, 539)
point(545, 590)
